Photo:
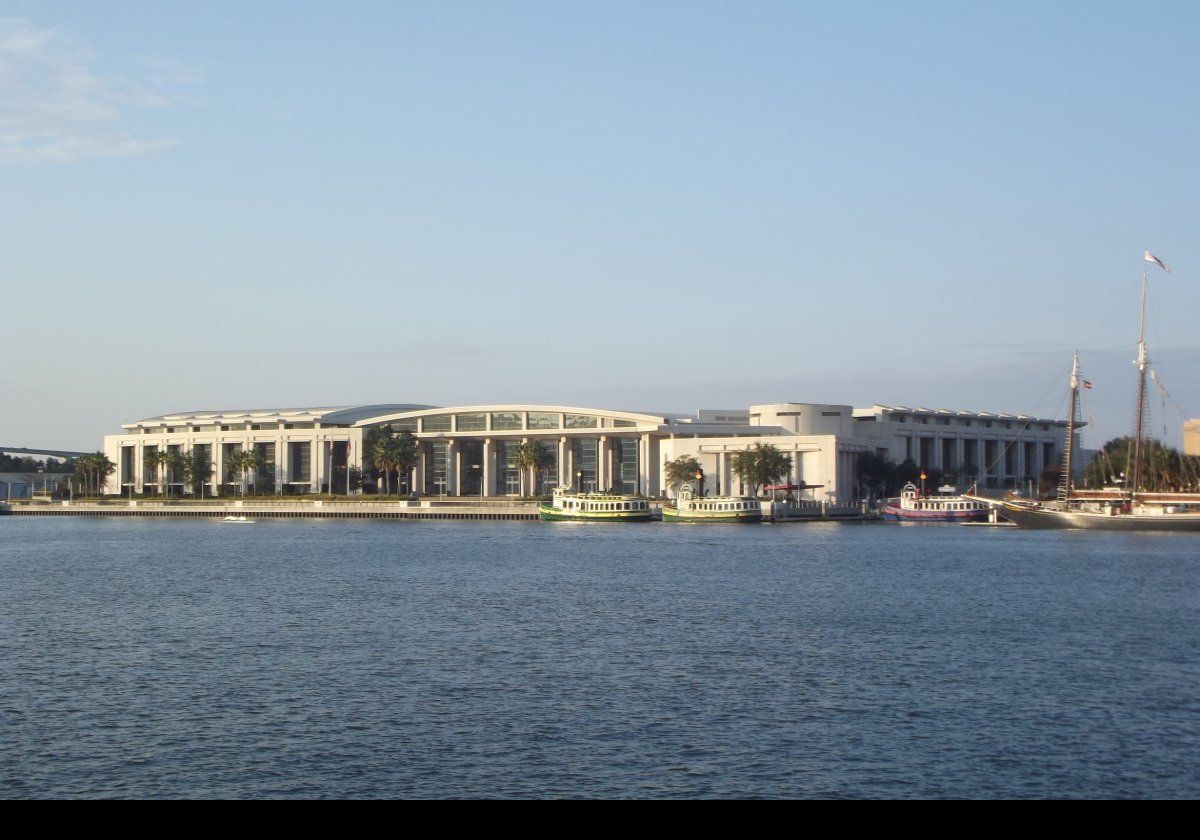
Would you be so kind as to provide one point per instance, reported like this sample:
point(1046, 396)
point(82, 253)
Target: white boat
point(711, 509)
point(944, 506)
point(237, 519)
point(1132, 507)
point(568, 506)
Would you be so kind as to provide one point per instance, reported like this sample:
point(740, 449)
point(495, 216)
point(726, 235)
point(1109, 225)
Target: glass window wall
point(472, 422)
point(586, 452)
point(435, 468)
point(543, 420)
point(625, 465)
point(507, 420)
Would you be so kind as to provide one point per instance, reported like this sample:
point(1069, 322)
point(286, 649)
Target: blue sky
point(657, 206)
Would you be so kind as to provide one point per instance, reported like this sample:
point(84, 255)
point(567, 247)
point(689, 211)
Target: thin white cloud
point(56, 107)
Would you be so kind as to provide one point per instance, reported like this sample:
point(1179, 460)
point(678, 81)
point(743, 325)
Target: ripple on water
point(373, 659)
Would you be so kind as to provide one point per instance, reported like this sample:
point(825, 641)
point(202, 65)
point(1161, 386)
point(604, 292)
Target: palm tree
point(533, 456)
point(175, 464)
point(383, 454)
point(197, 471)
point(158, 459)
point(92, 470)
point(407, 456)
point(245, 461)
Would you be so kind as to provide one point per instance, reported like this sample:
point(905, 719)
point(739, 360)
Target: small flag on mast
point(1087, 384)
point(1150, 258)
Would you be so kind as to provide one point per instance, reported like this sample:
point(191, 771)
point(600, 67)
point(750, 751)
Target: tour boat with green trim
point(712, 509)
point(568, 506)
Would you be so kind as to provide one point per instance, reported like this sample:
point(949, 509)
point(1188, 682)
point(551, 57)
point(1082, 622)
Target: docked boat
point(712, 509)
point(1134, 506)
point(239, 519)
point(913, 506)
point(568, 506)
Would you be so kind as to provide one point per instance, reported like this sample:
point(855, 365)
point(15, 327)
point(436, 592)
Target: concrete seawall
point(283, 510)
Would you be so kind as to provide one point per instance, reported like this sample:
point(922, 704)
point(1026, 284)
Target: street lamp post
point(699, 476)
point(579, 480)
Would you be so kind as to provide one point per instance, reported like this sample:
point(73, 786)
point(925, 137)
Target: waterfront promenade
point(289, 509)
point(438, 508)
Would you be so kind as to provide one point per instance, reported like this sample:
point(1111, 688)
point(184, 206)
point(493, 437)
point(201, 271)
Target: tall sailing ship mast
point(1132, 509)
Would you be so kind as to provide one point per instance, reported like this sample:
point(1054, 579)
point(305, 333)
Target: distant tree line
point(24, 463)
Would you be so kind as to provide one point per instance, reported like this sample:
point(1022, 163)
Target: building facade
point(1191, 437)
point(470, 450)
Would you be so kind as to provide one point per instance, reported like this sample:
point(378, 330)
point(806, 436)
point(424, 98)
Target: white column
point(644, 464)
point(138, 467)
point(562, 461)
point(317, 455)
point(451, 486)
point(486, 474)
point(601, 462)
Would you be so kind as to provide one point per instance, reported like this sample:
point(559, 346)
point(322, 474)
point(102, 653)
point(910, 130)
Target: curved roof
point(426, 411)
point(342, 414)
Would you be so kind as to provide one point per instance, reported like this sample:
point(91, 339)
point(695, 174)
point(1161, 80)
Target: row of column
point(983, 463)
point(606, 468)
point(320, 453)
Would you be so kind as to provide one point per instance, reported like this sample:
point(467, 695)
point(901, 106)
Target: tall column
point(317, 457)
point(422, 465)
point(281, 464)
point(601, 462)
point(644, 465)
point(451, 486)
point(562, 462)
point(218, 460)
point(485, 474)
point(571, 465)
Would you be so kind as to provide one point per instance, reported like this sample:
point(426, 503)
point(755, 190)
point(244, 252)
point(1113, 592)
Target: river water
point(157, 658)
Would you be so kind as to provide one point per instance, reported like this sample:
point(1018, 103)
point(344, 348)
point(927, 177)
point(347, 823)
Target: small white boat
point(238, 519)
point(945, 506)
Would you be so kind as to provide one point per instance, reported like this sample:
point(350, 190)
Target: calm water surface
point(148, 658)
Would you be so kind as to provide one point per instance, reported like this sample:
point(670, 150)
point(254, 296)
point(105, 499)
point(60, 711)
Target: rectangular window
point(435, 467)
point(436, 423)
point(299, 462)
point(579, 421)
point(586, 459)
point(471, 422)
point(625, 465)
point(543, 420)
point(507, 420)
point(408, 424)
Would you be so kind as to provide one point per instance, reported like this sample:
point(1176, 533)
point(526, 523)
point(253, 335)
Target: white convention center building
point(469, 450)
